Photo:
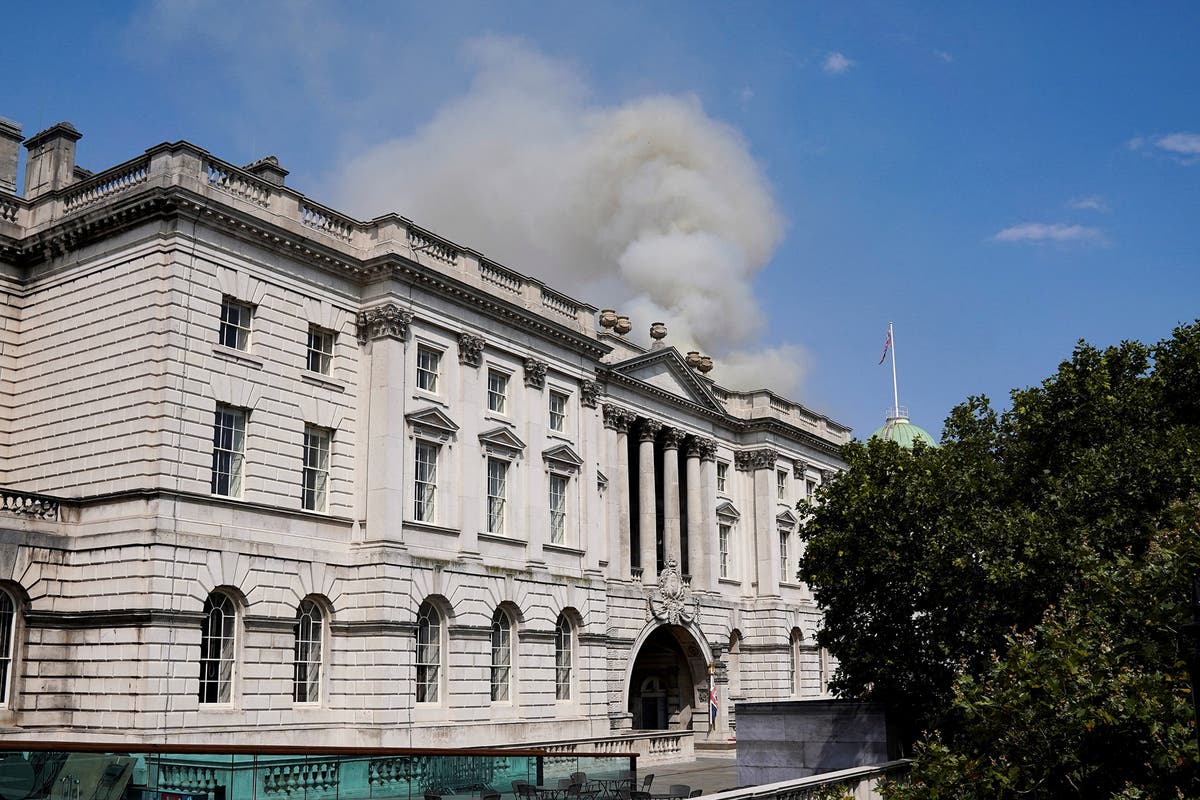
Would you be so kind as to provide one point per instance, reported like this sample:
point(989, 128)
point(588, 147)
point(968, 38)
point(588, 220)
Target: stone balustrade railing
point(108, 183)
point(10, 209)
point(327, 220)
point(653, 747)
point(25, 504)
point(859, 783)
point(300, 777)
point(239, 183)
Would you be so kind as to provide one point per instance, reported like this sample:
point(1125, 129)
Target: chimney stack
point(268, 169)
point(51, 161)
point(10, 149)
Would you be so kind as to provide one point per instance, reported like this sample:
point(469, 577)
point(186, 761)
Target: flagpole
point(895, 389)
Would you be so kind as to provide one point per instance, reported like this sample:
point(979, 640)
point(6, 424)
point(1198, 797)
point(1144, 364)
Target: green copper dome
point(899, 430)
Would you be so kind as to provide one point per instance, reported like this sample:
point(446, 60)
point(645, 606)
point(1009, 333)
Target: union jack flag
point(712, 705)
point(886, 344)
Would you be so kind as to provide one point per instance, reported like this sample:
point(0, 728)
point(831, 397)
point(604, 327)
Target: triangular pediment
point(667, 371)
point(432, 420)
point(562, 456)
point(785, 519)
point(728, 511)
point(502, 440)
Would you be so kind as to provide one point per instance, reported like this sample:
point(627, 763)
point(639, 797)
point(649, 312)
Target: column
point(761, 465)
point(710, 551)
point(697, 542)
point(672, 546)
point(616, 424)
point(647, 522)
point(383, 331)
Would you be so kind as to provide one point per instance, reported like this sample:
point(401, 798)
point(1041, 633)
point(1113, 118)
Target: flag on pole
point(712, 704)
point(886, 344)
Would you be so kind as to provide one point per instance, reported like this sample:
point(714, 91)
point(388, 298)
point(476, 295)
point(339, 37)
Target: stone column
point(383, 330)
point(761, 465)
point(709, 550)
point(672, 544)
point(696, 541)
point(617, 421)
point(647, 521)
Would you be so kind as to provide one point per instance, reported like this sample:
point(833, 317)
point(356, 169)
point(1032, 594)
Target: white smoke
point(651, 207)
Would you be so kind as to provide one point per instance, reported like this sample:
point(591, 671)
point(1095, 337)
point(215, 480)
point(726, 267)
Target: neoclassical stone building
point(270, 471)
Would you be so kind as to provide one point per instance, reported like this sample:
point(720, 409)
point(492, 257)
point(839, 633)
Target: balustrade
point(233, 181)
point(424, 242)
point(499, 276)
point(29, 505)
point(559, 303)
point(111, 182)
point(326, 221)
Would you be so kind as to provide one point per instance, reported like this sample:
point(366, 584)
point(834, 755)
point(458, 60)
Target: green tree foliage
point(927, 562)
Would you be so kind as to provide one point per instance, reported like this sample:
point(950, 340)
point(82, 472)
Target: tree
point(926, 561)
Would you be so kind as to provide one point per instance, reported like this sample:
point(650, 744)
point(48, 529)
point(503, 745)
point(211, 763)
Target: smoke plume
point(651, 207)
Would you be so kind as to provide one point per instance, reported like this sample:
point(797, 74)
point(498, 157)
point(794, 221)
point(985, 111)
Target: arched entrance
point(668, 684)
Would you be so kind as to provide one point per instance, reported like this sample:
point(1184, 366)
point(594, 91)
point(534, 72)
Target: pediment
point(503, 441)
point(786, 519)
point(728, 511)
point(667, 371)
point(562, 456)
point(432, 420)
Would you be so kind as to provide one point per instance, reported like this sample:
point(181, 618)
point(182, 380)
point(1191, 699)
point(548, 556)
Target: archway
point(668, 683)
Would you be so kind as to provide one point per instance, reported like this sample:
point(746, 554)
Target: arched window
point(8, 635)
point(309, 634)
point(429, 653)
point(795, 643)
point(502, 657)
point(564, 645)
point(218, 645)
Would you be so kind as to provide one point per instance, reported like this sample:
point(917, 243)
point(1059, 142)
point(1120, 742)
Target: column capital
point(387, 321)
point(617, 418)
point(799, 467)
point(753, 460)
point(589, 393)
point(470, 349)
point(648, 429)
point(702, 448)
point(672, 437)
point(535, 373)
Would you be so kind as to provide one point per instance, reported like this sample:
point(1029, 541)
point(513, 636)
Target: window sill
point(562, 548)
point(562, 437)
point(240, 356)
point(503, 419)
point(430, 526)
point(729, 581)
point(322, 380)
point(499, 537)
point(421, 394)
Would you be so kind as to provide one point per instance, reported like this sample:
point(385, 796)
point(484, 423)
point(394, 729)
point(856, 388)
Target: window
point(320, 349)
point(784, 577)
point(316, 467)
point(425, 482)
point(723, 532)
point(429, 363)
point(8, 633)
point(781, 484)
point(229, 451)
point(306, 675)
point(497, 391)
point(497, 487)
point(501, 657)
point(563, 646)
point(558, 508)
point(558, 412)
point(794, 677)
point(810, 488)
point(429, 653)
point(235, 324)
point(218, 643)
point(722, 475)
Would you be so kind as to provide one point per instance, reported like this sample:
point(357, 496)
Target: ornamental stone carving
point(617, 418)
point(470, 349)
point(672, 438)
point(648, 429)
point(535, 373)
point(799, 467)
point(671, 601)
point(708, 449)
point(383, 322)
point(753, 460)
point(589, 393)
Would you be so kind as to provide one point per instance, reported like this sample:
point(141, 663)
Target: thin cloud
point(1092, 202)
point(1181, 146)
point(1051, 233)
point(944, 55)
point(836, 64)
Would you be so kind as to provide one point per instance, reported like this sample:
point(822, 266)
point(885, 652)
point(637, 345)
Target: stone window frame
point(310, 643)
point(431, 632)
point(230, 424)
point(498, 399)
point(237, 320)
point(728, 515)
point(314, 477)
point(502, 670)
point(425, 505)
point(496, 518)
point(781, 478)
point(428, 376)
point(558, 516)
point(723, 477)
point(785, 537)
point(795, 662)
point(220, 640)
point(561, 416)
point(319, 353)
point(565, 657)
point(10, 623)
point(724, 554)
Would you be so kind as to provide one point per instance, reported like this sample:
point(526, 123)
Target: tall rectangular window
point(425, 482)
point(781, 484)
point(497, 391)
point(235, 323)
point(497, 489)
point(429, 364)
point(229, 451)
point(558, 412)
point(810, 488)
point(723, 531)
point(722, 475)
point(784, 577)
point(558, 508)
point(320, 350)
point(315, 488)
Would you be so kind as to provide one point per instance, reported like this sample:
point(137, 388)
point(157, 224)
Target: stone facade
point(269, 470)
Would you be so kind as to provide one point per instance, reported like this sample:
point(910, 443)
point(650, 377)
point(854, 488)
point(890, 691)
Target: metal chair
point(679, 790)
point(646, 781)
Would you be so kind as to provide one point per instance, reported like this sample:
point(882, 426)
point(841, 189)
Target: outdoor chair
point(489, 793)
point(579, 777)
point(649, 779)
point(679, 790)
point(696, 793)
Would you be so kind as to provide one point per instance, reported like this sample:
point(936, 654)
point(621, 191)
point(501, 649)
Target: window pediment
point(432, 422)
point(728, 511)
point(786, 519)
point(562, 457)
point(502, 442)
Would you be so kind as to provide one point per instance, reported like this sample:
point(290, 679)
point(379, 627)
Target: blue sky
point(999, 180)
